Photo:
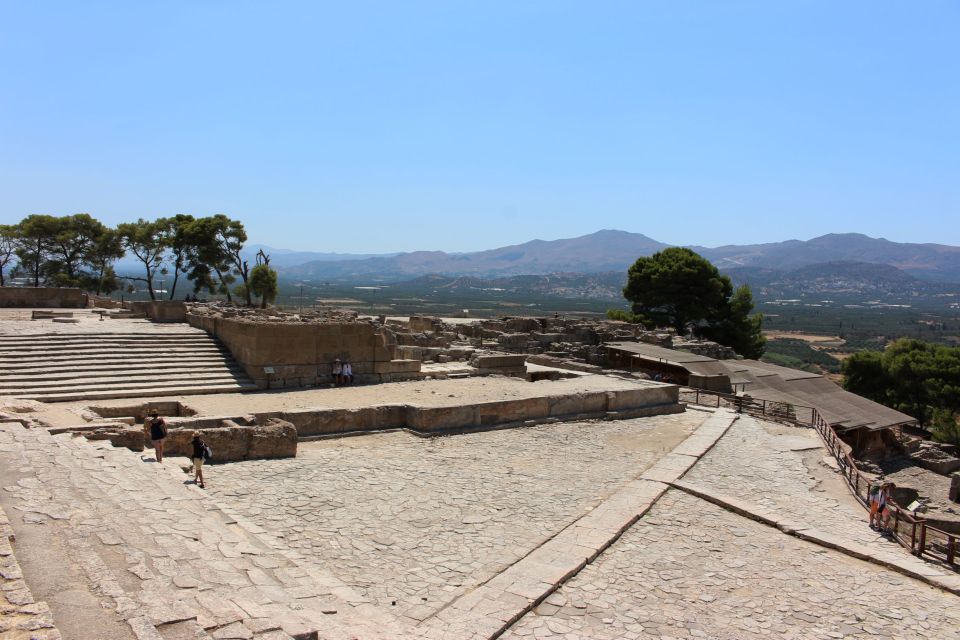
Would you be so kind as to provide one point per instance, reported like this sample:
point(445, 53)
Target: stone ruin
point(281, 349)
point(571, 343)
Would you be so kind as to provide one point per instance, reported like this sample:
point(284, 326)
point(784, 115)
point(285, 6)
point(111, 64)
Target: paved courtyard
point(694, 525)
point(414, 523)
point(689, 569)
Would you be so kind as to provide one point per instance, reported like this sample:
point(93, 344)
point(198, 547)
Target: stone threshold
point(910, 566)
point(493, 607)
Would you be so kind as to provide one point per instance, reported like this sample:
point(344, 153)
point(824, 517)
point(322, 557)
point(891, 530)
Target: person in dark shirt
point(198, 456)
point(158, 433)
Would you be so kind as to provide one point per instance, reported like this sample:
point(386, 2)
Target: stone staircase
point(59, 367)
point(173, 564)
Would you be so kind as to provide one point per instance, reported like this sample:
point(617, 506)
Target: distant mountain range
point(926, 261)
point(597, 252)
point(842, 280)
point(611, 250)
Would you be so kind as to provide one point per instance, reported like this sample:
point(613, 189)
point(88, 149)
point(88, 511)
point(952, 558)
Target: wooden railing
point(910, 531)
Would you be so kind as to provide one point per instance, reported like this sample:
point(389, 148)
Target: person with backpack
point(201, 453)
point(158, 433)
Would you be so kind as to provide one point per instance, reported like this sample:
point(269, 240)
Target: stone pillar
point(955, 487)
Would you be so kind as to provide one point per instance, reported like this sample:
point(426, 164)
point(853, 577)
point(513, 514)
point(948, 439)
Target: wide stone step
point(83, 360)
point(77, 366)
point(115, 364)
point(175, 564)
point(100, 381)
point(100, 346)
point(156, 604)
point(182, 368)
point(79, 338)
point(106, 349)
point(129, 382)
point(138, 392)
point(57, 338)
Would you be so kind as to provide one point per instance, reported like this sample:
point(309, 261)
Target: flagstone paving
point(413, 523)
point(689, 569)
point(455, 538)
point(781, 470)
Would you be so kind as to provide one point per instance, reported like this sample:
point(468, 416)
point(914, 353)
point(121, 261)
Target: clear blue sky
point(464, 125)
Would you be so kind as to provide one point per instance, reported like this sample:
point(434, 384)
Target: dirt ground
point(814, 340)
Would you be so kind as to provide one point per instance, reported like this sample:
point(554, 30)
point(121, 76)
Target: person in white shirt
point(337, 373)
point(346, 372)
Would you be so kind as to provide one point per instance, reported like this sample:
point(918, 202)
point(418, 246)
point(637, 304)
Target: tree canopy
point(263, 284)
point(919, 378)
point(80, 251)
point(678, 288)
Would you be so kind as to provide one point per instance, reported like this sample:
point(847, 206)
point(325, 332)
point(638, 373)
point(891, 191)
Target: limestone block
point(132, 438)
point(397, 366)
point(441, 418)
point(642, 397)
point(493, 413)
point(275, 439)
point(57, 297)
point(578, 403)
point(500, 361)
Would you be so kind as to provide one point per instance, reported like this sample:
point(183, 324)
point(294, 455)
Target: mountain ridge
point(614, 250)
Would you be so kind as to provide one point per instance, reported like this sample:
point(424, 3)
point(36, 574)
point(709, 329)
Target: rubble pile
point(252, 314)
point(703, 348)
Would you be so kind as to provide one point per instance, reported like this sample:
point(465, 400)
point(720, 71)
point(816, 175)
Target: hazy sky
point(465, 125)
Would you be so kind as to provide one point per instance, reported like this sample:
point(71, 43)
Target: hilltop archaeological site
point(524, 477)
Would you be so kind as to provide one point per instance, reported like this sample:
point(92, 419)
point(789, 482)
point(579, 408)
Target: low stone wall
point(288, 354)
point(102, 302)
point(57, 297)
point(160, 310)
point(647, 400)
point(506, 364)
point(241, 437)
point(563, 363)
point(230, 440)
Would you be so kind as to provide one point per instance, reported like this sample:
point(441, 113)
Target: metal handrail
point(911, 532)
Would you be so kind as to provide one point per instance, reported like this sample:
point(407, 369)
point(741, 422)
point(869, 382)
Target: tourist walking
point(873, 498)
point(201, 453)
point(346, 372)
point(158, 433)
point(337, 372)
point(883, 507)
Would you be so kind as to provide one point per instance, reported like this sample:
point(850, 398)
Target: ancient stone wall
point(230, 440)
point(160, 310)
point(296, 354)
point(56, 297)
point(103, 302)
point(646, 400)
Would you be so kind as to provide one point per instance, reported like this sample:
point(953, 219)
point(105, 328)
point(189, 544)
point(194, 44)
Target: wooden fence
point(908, 529)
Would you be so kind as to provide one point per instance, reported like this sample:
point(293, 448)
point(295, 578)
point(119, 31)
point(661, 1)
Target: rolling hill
point(611, 250)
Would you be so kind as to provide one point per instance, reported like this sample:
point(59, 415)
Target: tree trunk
point(223, 284)
point(246, 285)
point(176, 276)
